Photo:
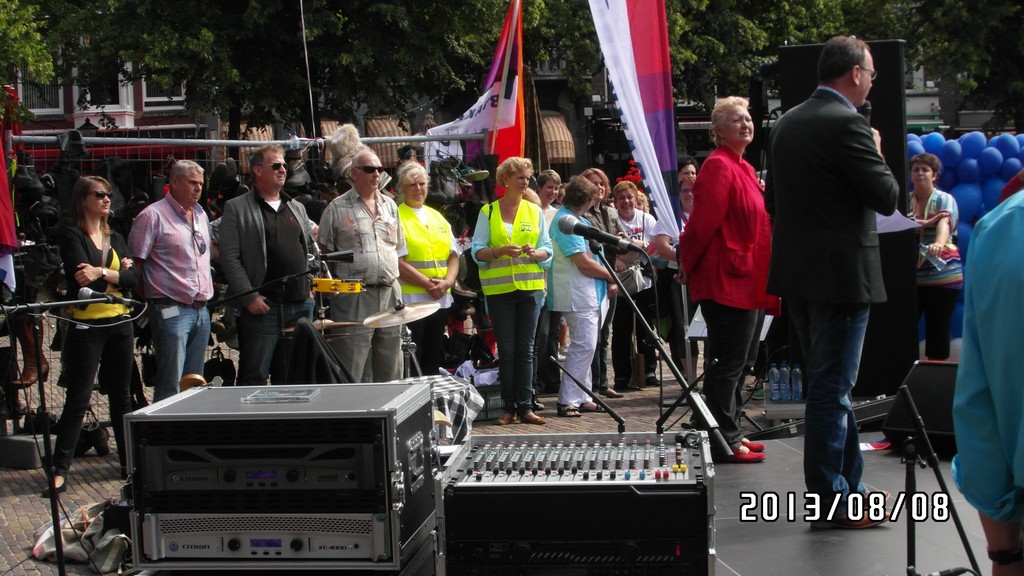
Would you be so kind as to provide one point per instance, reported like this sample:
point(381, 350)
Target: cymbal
point(395, 317)
point(325, 324)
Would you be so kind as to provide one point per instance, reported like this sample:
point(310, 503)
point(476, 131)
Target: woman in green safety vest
point(512, 246)
point(428, 266)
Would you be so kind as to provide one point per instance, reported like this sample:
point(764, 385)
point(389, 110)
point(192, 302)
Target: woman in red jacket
point(724, 253)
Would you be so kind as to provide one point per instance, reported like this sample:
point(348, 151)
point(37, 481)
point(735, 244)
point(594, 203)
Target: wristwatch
point(103, 272)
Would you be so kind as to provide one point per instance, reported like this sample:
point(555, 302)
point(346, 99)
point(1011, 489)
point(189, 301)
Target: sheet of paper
point(895, 223)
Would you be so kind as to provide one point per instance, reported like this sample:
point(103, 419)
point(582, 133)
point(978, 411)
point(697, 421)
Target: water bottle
point(293, 141)
point(773, 383)
point(939, 263)
point(784, 392)
point(797, 383)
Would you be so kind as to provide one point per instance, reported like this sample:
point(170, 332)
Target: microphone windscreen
point(567, 223)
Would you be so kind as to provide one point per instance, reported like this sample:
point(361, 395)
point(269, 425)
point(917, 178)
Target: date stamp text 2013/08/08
point(794, 507)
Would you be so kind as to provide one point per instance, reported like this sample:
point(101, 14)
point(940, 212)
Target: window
point(157, 98)
point(42, 99)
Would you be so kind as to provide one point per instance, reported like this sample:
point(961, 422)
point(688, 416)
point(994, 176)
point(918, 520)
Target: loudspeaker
point(931, 386)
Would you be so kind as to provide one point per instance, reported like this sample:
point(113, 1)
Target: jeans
point(546, 376)
point(730, 332)
point(258, 337)
point(180, 345)
point(514, 317)
point(108, 350)
point(831, 338)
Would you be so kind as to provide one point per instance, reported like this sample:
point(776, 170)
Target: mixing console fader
point(544, 502)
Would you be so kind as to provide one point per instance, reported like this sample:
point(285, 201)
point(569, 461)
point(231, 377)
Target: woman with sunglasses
point(100, 338)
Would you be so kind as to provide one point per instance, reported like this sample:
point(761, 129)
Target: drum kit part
point(401, 314)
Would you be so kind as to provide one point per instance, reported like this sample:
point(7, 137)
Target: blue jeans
point(831, 337)
point(180, 345)
point(514, 316)
point(258, 336)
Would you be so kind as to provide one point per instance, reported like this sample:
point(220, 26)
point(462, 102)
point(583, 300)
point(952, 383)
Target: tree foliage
point(247, 58)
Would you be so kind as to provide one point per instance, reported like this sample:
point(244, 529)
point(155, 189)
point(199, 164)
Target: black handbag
point(219, 365)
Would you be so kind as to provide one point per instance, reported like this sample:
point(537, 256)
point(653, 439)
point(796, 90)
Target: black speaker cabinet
point(890, 346)
point(931, 387)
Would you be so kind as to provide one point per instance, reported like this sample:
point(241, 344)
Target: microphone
point(865, 110)
point(339, 256)
point(569, 224)
point(86, 293)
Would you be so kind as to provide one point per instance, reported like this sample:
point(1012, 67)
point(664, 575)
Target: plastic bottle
point(773, 383)
point(784, 392)
point(797, 383)
point(293, 141)
point(939, 263)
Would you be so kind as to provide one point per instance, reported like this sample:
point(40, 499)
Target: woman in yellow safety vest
point(512, 246)
point(429, 265)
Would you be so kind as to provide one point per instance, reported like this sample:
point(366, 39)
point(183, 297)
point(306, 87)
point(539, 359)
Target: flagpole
point(516, 24)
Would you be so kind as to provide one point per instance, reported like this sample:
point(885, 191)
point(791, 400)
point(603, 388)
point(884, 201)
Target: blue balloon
point(968, 170)
point(933, 142)
point(1020, 140)
point(1010, 168)
point(951, 153)
point(1007, 144)
point(990, 191)
point(964, 230)
point(913, 137)
point(968, 200)
point(973, 143)
point(914, 148)
point(990, 161)
point(947, 179)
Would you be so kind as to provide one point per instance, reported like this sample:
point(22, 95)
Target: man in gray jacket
point(265, 242)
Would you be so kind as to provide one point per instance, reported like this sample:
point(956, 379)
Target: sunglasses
point(102, 195)
point(200, 242)
point(277, 166)
point(372, 169)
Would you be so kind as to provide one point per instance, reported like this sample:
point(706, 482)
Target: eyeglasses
point(277, 166)
point(371, 169)
point(101, 195)
point(870, 71)
point(200, 242)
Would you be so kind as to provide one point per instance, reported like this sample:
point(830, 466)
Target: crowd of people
point(806, 234)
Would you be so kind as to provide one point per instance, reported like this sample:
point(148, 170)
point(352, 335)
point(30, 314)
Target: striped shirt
point(176, 258)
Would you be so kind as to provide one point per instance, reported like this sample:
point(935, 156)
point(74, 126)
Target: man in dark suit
point(826, 181)
point(265, 236)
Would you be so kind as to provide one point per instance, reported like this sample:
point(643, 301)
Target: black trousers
point(936, 304)
point(546, 376)
point(730, 332)
point(623, 334)
point(106, 349)
point(428, 335)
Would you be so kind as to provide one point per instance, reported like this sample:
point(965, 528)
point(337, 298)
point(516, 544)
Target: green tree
point(22, 51)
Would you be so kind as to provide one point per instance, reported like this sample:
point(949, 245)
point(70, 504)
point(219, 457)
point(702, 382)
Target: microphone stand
point(926, 458)
point(38, 307)
point(275, 283)
point(700, 410)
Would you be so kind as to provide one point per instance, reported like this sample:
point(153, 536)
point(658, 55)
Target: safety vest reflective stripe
point(428, 244)
point(505, 274)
